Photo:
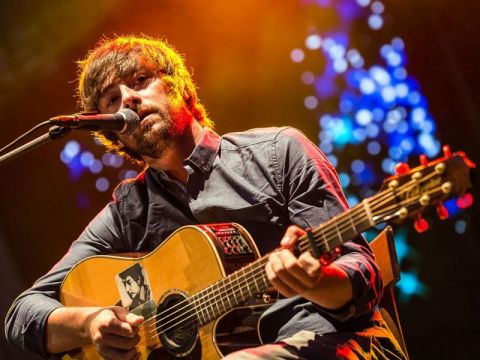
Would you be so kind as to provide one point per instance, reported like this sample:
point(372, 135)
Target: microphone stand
point(54, 133)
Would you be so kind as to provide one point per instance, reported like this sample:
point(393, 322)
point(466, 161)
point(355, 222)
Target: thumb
point(125, 315)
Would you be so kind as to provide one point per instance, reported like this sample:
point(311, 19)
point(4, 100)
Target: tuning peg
point(420, 225)
point(402, 168)
point(446, 151)
point(442, 211)
point(423, 160)
point(465, 201)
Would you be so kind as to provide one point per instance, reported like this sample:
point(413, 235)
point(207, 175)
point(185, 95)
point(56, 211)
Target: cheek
point(181, 119)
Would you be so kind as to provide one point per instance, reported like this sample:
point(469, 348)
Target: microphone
point(124, 120)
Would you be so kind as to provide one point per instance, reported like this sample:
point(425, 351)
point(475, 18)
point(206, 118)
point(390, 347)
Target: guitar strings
point(209, 297)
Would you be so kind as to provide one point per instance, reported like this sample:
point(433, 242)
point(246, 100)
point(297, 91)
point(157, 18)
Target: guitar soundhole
point(178, 328)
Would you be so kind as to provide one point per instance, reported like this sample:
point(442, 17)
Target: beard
point(157, 132)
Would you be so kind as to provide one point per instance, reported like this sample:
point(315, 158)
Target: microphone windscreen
point(131, 120)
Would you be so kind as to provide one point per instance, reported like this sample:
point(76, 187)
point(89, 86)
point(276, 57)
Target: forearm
point(333, 290)
point(68, 328)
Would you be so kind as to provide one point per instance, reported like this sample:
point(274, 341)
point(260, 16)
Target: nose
point(130, 98)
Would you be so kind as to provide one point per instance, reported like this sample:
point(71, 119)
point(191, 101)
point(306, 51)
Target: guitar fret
point(221, 297)
point(234, 291)
point(209, 301)
point(368, 212)
point(246, 282)
point(325, 241)
point(354, 228)
point(200, 307)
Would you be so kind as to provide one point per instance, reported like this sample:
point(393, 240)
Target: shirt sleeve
point(313, 192)
point(25, 322)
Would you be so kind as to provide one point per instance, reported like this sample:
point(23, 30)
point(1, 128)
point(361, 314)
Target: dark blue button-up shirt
point(264, 179)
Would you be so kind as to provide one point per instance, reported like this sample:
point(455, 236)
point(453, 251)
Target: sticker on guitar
point(134, 287)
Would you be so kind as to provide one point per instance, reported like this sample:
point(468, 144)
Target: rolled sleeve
point(314, 195)
point(26, 320)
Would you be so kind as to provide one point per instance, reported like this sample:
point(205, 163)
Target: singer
point(273, 181)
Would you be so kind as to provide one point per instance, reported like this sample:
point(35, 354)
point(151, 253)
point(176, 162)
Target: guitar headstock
point(412, 191)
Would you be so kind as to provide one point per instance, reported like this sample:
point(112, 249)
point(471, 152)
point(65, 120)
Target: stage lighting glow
point(345, 105)
point(414, 98)
point(337, 51)
point(409, 285)
point(313, 42)
point(377, 7)
point(372, 130)
point(96, 166)
point(333, 160)
point(394, 59)
point(310, 102)
point(355, 59)
point(395, 153)
point(326, 147)
point(87, 158)
point(400, 73)
point(388, 94)
point(377, 106)
point(308, 78)
point(352, 200)
point(102, 184)
point(380, 75)
point(374, 148)
point(407, 144)
point(360, 135)
point(375, 22)
point(363, 3)
point(357, 166)
point(364, 117)
point(388, 165)
point(344, 179)
point(297, 55)
point(72, 148)
point(340, 65)
point(401, 90)
point(460, 226)
point(367, 86)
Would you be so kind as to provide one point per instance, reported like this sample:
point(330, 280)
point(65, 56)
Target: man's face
point(145, 93)
point(131, 287)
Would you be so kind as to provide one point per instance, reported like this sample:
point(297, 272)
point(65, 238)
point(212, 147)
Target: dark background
point(239, 53)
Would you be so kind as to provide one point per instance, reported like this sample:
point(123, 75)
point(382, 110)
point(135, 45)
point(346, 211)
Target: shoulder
point(257, 136)
point(126, 187)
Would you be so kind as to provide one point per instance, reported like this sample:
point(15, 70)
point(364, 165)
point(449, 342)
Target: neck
point(172, 161)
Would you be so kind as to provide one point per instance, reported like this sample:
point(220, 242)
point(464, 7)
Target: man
point(272, 181)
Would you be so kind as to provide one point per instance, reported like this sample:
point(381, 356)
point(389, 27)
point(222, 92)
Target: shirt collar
point(204, 153)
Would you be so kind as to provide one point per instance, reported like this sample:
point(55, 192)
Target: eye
point(141, 81)
point(112, 100)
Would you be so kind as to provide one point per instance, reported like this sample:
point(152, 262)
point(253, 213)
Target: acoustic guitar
point(204, 279)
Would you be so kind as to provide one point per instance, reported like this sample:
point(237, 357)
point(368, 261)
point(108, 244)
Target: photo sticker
point(133, 286)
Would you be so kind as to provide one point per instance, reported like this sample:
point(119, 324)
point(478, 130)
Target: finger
point(310, 265)
point(291, 235)
point(119, 342)
point(107, 322)
point(116, 354)
point(128, 317)
point(277, 283)
point(284, 270)
point(293, 274)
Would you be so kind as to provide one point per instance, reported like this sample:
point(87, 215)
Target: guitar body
point(190, 260)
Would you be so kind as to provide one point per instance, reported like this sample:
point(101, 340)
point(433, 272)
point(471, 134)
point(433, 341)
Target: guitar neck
point(403, 197)
point(251, 281)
